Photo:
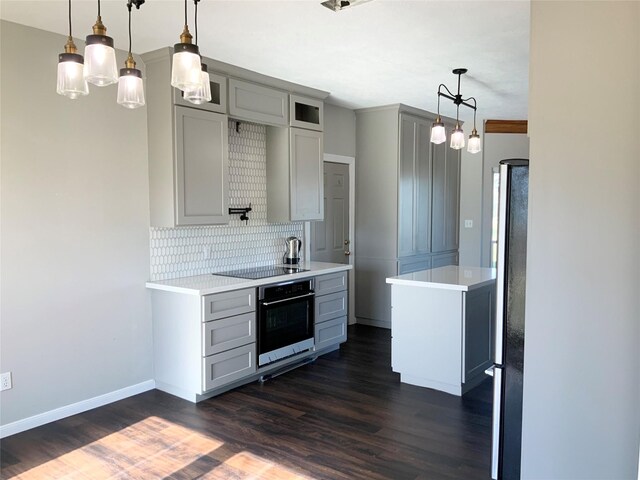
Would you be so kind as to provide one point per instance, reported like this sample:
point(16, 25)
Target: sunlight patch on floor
point(155, 448)
point(151, 448)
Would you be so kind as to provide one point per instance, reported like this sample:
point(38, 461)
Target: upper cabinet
point(295, 187)
point(257, 103)
point(188, 152)
point(306, 112)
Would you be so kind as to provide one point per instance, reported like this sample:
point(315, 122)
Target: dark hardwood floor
point(345, 416)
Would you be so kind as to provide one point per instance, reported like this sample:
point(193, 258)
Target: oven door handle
point(266, 304)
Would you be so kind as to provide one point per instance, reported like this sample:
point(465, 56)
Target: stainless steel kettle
point(292, 254)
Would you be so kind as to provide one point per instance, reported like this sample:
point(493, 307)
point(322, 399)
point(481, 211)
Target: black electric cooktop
point(255, 273)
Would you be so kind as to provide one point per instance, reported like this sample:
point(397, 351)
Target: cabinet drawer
point(331, 332)
point(331, 306)
point(331, 283)
point(228, 333)
point(257, 103)
point(228, 304)
point(218, 101)
point(229, 366)
point(306, 112)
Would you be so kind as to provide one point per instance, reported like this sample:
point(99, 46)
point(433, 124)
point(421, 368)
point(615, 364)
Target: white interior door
point(330, 240)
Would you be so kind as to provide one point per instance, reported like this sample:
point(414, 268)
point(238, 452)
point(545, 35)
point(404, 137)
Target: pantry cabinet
point(407, 199)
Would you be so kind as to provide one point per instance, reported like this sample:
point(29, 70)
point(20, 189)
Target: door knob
point(347, 252)
point(347, 242)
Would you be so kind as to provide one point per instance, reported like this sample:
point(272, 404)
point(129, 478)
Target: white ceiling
point(377, 53)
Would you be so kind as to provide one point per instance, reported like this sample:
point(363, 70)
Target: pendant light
point(457, 136)
point(71, 82)
point(186, 70)
point(100, 57)
point(202, 93)
point(475, 145)
point(438, 134)
point(130, 86)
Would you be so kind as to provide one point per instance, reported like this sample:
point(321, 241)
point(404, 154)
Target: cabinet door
point(328, 307)
point(444, 259)
point(406, 185)
point(422, 220)
point(330, 332)
point(306, 177)
point(226, 367)
point(227, 333)
point(445, 211)
point(479, 308)
point(306, 112)
point(202, 167)
point(256, 103)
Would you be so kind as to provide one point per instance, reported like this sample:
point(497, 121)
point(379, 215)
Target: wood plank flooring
point(346, 416)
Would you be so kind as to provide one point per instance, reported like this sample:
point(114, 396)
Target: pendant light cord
point(69, 18)
point(98, 7)
point(195, 2)
point(185, 12)
point(129, 8)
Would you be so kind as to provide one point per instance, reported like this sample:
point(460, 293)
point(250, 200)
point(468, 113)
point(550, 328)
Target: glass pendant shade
point(457, 138)
point(130, 88)
point(202, 93)
point(100, 61)
point(474, 142)
point(71, 82)
point(438, 134)
point(186, 70)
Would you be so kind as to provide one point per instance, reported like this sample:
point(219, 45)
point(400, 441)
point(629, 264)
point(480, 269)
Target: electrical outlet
point(468, 224)
point(5, 381)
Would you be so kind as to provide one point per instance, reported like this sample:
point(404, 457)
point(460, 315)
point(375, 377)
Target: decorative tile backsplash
point(187, 251)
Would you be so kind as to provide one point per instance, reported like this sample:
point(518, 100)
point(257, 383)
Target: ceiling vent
point(337, 5)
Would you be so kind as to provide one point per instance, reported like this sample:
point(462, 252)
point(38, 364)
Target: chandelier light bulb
point(474, 142)
point(457, 138)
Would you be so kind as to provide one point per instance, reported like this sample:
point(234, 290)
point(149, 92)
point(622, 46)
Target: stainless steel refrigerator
point(509, 328)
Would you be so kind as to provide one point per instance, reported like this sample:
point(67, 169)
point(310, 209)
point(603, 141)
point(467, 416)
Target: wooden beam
point(505, 126)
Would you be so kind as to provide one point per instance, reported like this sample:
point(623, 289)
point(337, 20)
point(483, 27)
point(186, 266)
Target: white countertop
point(207, 284)
point(451, 277)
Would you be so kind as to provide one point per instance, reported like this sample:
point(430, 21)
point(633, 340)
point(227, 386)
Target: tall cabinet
point(407, 203)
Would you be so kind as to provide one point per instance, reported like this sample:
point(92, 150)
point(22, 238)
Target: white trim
point(74, 408)
point(351, 162)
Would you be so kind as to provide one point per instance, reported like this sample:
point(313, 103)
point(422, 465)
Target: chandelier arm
point(452, 97)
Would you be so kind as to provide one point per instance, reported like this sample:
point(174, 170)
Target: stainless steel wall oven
point(285, 320)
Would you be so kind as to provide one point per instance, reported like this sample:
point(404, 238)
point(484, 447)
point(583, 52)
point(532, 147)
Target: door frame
point(351, 162)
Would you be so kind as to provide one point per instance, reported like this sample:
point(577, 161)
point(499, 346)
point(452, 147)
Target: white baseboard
point(75, 408)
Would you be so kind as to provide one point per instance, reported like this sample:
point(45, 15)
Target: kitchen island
point(442, 327)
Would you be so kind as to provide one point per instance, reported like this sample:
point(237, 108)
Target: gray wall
point(76, 319)
point(339, 130)
point(582, 355)
point(471, 205)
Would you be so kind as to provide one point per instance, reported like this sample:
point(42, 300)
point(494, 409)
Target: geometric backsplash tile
point(187, 251)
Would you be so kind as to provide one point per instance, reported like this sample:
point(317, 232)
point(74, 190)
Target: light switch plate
point(468, 224)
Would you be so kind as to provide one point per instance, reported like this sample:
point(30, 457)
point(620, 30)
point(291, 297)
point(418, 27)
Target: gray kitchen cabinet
point(202, 167)
point(227, 333)
point(446, 199)
point(407, 194)
point(188, 153)
point(227, 304)
point(306, 112)
point(444, 259)
point(331, 309)
point(227, 367)
point(258, 103)
point(295, 187)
